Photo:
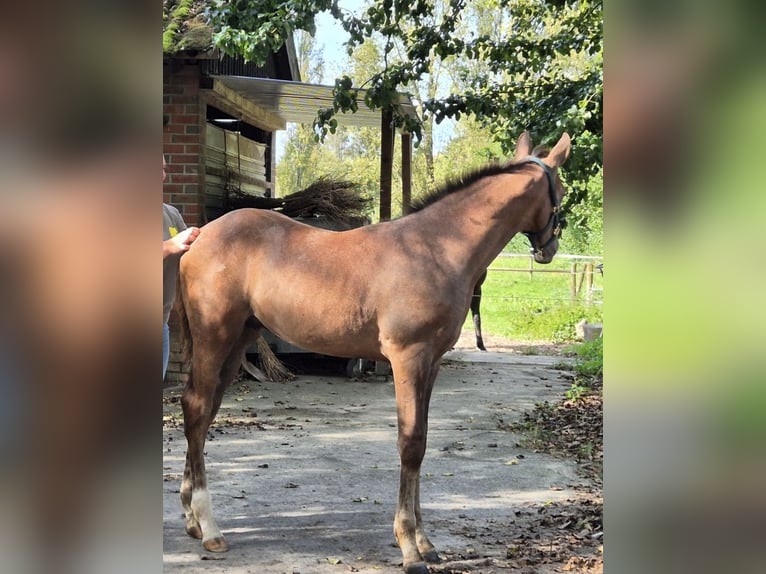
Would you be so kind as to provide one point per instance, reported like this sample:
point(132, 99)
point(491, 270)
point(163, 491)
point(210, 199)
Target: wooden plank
point(536, 270)
point(234, 104)
point(573, 282)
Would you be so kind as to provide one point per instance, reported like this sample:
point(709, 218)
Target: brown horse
point(255, 268)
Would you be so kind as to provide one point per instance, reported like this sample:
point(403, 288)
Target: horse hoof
point(218, 544)
point(416, 568)
point(432, 557)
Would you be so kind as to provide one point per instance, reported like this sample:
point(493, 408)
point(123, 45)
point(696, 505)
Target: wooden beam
point(272, 174)
point(406, 172)
point(235, 104)
point(386, 162)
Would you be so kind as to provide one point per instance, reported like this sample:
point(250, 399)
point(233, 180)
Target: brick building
point(210, 126)
point(222, 114)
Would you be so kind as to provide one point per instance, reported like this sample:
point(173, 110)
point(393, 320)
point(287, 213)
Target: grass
point(590, 358)
point(518, 306)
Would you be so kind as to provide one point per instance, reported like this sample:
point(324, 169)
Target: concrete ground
point(304, 475)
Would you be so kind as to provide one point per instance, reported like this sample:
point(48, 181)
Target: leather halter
point(554, 221)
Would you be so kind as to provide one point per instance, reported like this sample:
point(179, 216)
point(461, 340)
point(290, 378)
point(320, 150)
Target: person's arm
point(179, 243)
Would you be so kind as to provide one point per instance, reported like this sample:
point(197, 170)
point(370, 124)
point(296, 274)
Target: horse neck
point(478, 221)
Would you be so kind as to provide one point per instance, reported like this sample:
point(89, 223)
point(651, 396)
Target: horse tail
point(184, 332)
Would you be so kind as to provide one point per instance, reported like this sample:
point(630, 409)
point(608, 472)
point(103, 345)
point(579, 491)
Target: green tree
point(522, 64)
point(540, 68)
point(468, 149)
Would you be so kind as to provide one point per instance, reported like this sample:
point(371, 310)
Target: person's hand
point(179, 243)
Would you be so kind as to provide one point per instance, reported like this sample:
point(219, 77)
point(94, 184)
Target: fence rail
point(582, 272)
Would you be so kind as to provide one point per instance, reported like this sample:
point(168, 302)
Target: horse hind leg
point(476, 312)
point(189, 402)
point(197, 402)
point(195, 499)
point(413, 381)
point(201, 402)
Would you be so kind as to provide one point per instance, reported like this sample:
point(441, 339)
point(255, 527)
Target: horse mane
point(458, 183)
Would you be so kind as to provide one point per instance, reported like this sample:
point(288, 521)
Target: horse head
point(547, 203)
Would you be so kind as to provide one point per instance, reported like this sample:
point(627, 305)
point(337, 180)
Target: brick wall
point(183, 141)
point(178, 370)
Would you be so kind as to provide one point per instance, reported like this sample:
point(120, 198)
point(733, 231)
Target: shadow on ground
point(304, 475)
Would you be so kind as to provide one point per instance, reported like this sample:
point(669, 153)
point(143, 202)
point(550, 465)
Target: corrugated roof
point(299, 102)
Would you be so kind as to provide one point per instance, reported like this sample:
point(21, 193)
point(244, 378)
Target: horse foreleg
point(413, 382)
point(192, 525)
point(426, 549)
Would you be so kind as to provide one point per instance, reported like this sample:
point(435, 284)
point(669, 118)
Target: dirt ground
point(304, 474)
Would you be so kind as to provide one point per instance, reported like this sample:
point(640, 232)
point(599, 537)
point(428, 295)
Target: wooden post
point(406, 172)
point(531, 266)
point(589, 283)
point(581, 279)
point(271, 175)
point(573, 282)
point(386, 162)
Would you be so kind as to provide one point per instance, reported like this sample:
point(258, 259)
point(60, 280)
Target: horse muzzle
point(546, 253)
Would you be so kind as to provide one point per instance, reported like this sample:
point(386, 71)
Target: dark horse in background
point(253, 269)
point(476, 312)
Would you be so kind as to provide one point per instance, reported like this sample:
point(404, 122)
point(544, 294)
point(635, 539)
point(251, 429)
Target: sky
point(330, 36)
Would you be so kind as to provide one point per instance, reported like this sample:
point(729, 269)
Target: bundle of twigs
point(334, 199)
point(272, 369)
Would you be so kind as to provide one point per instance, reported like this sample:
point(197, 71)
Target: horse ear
point(560, 152)
point(523, 146)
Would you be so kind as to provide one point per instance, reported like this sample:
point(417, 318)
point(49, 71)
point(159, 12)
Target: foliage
point(590, 358)
point(254, 29)
point(185, 26)
point(554, 321)
point(541, 70)
point(588, 368)
point(584, 232)
point(173, 18)
point(470, 148)
point(526, 64)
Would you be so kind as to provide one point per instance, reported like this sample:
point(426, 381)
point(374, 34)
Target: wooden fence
point(582, 271)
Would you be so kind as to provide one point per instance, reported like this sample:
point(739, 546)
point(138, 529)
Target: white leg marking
point(202, 506)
